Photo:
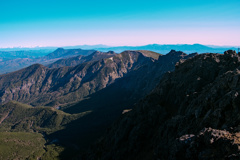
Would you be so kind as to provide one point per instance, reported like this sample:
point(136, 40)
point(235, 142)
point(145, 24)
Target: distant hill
point(9, 55)
point(64, 53)
point(16, 63)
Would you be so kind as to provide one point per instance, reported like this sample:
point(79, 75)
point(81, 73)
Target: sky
point(30, 23)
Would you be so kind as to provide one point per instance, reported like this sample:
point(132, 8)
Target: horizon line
point(109, 46)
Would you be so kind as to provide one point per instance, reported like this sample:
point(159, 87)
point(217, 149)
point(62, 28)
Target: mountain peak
point(59, 49)
point(230, 52)
point(35, 66)
point(176, 53)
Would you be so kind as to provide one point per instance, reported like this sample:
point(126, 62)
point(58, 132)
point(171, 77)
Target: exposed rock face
point(192, 114)
point(208, 144)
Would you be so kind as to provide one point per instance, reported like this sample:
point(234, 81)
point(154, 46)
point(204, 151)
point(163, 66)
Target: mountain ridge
point(75, 60)
point(71, 80)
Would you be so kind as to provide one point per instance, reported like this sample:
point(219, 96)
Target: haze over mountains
point(161, 48)
point(18, 63)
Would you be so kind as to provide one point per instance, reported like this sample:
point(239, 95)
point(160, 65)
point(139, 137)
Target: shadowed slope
point(192, 114)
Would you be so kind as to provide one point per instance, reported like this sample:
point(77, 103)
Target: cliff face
point(192, 114)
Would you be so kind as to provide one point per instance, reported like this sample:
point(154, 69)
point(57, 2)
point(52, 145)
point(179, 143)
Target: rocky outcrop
point(208, 144)
point(192, 114)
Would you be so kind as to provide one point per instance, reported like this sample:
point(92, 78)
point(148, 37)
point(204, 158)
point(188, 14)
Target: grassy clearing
point(21, 145)
point(25, 145)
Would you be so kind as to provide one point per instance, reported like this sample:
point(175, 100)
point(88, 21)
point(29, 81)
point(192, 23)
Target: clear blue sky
point(123, 22)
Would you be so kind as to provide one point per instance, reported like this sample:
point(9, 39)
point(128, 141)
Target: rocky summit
point(193, 113)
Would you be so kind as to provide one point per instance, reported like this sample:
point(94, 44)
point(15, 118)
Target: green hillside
point(18, 117)
point(25, 145)
point(25, 131)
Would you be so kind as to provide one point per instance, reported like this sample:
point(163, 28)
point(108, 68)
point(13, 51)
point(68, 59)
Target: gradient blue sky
point(30, 23)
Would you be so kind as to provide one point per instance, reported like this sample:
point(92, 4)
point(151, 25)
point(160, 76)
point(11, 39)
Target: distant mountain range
point(163, 49)
point(9, 55)
point(160, 48)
